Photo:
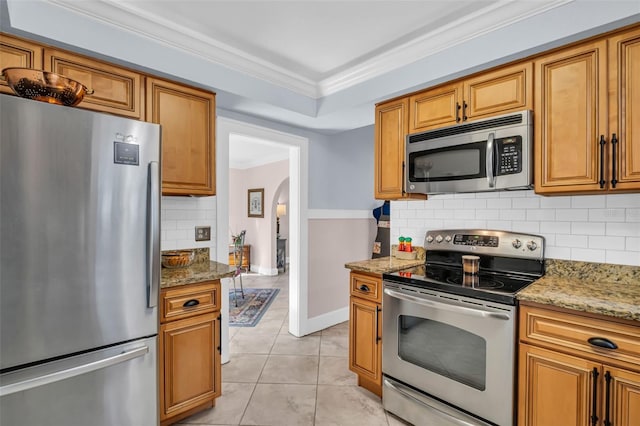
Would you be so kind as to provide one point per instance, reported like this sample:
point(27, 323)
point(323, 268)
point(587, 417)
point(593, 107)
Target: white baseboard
point(264, 271)
point(326, 320)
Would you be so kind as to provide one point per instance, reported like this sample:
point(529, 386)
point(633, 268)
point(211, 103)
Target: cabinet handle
point(220, 333)
point(607, 399)
point(614, 158)
point(377, 321)
point(601, 342)
point(190, 303)
point(602, 143)
point(363, 288)
point(464, 111)
point(457, 112)
point(594, 400)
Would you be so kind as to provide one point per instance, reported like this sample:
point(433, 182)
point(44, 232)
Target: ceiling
point(317, 65)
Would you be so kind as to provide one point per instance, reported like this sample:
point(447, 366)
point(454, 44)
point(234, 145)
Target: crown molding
point(163, 31)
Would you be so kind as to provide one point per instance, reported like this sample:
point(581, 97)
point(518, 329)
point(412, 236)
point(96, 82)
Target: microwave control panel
point(509, 155)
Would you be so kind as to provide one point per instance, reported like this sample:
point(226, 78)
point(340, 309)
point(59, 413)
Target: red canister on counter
point(407, 244)
point(401, 244)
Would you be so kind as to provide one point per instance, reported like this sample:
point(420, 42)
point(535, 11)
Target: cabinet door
point(116, 90)
point(365, 343)
point(501, 91)
point(624, 398)
point(437, 107)
point(555, 389)
point(18, 53)
point(187, 117)
point(624, 74)
point(390, 133)
point(190, 364)
point(571, 116)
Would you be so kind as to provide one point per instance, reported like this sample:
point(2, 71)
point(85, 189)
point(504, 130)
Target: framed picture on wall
point(256, 203)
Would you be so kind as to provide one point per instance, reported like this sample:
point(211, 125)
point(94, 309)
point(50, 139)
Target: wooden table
point(246, 257)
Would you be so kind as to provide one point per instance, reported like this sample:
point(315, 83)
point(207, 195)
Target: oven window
point(444, 349)
point(451, 163)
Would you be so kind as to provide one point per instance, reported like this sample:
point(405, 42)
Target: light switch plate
point(203, 233)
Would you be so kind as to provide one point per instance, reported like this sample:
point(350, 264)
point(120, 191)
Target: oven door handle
point(446, 306)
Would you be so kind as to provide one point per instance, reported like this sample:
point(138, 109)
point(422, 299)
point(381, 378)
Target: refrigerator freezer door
point(114, 386)
point(75, 218)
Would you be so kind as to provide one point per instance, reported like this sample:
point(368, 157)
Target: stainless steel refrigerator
point(80, 265)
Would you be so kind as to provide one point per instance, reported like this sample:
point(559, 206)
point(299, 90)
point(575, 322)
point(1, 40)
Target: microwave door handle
point(491, 179)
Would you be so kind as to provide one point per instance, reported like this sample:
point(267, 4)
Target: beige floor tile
point(335, 371)
point(276, 314)
point(243, 368)
point(288, 344)
point(268, 324)
point(251, 343)
point(334, 345)
point(281, 405)
point(229, 407)
point(290, 369)
point(348, 406)
point(338, 329)
point(396, 421)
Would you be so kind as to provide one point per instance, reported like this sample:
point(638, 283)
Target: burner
point(475, 282)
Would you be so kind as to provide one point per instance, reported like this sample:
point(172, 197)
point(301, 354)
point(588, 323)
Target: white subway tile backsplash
point(632, 244)
point(588, 228)
point(623, 201)
point(559, 202)
point(574, 215)
point(623, 257)
point(577, 241)
point(626, 229)
point(555, 227)
point(593, 228)
point(180, 216)
point(588, 255)
point(607, 243)
point(588, 202)
point(607, 215)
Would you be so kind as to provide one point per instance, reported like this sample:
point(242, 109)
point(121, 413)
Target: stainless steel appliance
point(80, 265)
point(486, 155)
point(448, 356)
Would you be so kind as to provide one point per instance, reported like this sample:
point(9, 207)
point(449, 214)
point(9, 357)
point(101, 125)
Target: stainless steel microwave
point(485, 155)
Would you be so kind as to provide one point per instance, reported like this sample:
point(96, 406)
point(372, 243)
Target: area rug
point(250, 309)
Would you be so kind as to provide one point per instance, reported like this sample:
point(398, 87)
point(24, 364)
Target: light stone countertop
point(382, 265)
point(606, 289)
point(201, 270)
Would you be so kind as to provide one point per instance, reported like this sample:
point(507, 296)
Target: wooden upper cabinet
point(498, 92)
point(435, 108)
point(18, 53)
point(390, 133)
point(571, 119)
point(116, 90)
point(495, 92)
point(624, 111)
point(187, 117)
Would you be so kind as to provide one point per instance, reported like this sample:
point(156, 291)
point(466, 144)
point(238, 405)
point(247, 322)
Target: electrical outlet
point(203, 233)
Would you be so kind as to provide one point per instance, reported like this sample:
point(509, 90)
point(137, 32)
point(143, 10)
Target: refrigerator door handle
point(72, 372)
point(153, 234)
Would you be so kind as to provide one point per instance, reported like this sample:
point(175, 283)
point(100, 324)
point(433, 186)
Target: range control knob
point(516, 243)
point(531, 245)
point(439, 239)
point(448, 238)
point(429, 238)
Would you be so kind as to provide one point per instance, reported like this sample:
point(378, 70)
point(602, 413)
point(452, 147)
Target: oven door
point(457, 349)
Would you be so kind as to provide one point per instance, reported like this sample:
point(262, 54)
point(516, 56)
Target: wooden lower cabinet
point(563, 380)
point(189, 361)
point(365, 333)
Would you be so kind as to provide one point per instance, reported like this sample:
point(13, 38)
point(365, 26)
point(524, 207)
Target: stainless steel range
point(448, 356)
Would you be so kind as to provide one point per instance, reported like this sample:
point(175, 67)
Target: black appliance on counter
point(450, 337)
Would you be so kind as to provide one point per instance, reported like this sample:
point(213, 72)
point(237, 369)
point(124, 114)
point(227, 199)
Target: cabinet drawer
point(571, 332)
point(366, 286)
point(189, 300)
